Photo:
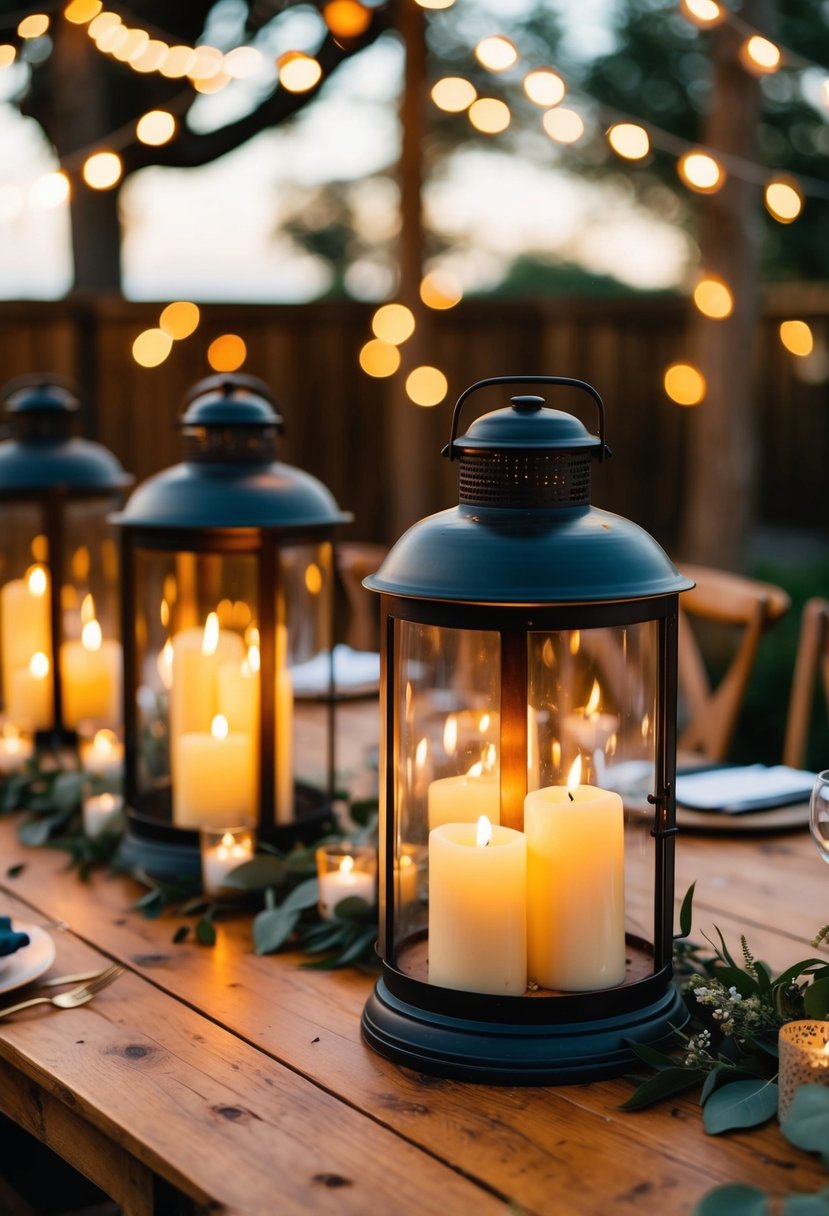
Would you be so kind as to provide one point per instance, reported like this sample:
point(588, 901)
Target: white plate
point(29, 962)
point(777, 819)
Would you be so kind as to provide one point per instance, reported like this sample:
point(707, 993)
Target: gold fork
point(70, 1000)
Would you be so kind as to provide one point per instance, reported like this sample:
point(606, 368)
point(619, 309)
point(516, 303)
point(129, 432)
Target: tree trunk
point(721, 471)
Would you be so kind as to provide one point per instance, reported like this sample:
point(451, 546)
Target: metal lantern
point(59, 623)
point(526, 906)
point(227, 622)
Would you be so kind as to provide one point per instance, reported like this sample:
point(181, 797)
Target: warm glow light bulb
point(33, 26)
point(797, 338)
point(179, 319)
point(243, 62)
point(177, 62)
point(207, 63)
point(629, 140)
point(102, 170)
point(704, 13)
point(151, 347)
point(7, 55)
point(113, 38)
point(701, 172)
point(346, 18)
point(298, 72)
point(545, 87)
point(393, 323)
point(103, 22)
point(684, 384)
point(489, 115)
point(79, 12)
point(496, 53)
point(563, 125)
point(783, 199)
point(213, 84)
point(453, 94)
point(156, 127)
point(50, 190)
point(426, 386)
point(713, 297)
point(132, 46)
point(151, 58)
point(313, 578)
point(760, 55)
point(227, 353)
point(379, 359)
point(440, 290)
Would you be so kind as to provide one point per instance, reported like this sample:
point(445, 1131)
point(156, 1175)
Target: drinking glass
point(819, 813)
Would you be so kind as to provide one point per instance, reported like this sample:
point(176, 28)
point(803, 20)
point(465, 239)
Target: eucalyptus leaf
point(734, 1199)
point(354, 909)
point(686, 912)
point(66, 791)
point(816, 999)
point(262, 871)
point(740, 1104)
point(362, 946)
point(710, 1084)
point(665, 1084)
point(806, 1124)
point(181, 934)
point(306, 895)
point(205, 932)
point(806, 1205)
point(272, 928)
point(35, 831)
point(657, 1059)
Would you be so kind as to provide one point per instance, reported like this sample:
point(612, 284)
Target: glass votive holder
point(102, 755)
point(804, 1059)
point(15, 749)
point(102, 814)
point(222, 850)
point(345, 870)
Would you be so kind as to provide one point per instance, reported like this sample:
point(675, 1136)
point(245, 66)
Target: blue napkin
point(9, 939)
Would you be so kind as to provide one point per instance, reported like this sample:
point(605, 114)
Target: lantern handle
point(604, 450)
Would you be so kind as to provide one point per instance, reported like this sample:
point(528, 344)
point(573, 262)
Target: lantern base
point(510, 1053)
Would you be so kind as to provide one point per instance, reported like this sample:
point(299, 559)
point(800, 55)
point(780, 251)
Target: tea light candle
point(221, 852)
point(477, 908)
point(102, 755)
point(345, 871)
point(99, 813)
point(15, 750)
point(804, 1059)
point(575, 886)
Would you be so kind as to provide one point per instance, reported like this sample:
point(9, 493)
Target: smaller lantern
point(60, 654)
point(228, 588)
point(527, 767)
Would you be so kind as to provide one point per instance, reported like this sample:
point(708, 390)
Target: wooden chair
point(812, 657)
point(355, 560)
point(746, 609)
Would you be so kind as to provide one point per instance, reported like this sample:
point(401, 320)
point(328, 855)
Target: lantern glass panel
point(25, 626)
point(588, 694)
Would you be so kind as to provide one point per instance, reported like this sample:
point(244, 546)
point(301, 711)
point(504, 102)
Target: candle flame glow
point(87, 609)
point(36, 581)
point(219, 727)
point(475, 770)
point(39, 665)
point(421, 752)
point(91, 635)
point(104, 741)
point(489, 758)
point(483, 832)
point(254, 659)
point(574, 776)
point(593, 700)
point(450, 735)
point(164, 663)
point(483, 725)
point(346, 865)
point(227, 840)
point(210, 641)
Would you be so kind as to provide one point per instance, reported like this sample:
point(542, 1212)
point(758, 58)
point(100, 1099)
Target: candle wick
point(570, 795)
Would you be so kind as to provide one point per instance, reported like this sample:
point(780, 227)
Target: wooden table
point(244, 1084)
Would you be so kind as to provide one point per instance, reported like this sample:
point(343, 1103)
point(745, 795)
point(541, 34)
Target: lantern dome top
point(524, 531)
point(229, 477)
point(42, 454)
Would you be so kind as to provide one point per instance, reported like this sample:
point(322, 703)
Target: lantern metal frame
point(229, 497)
point(45, 465)
point(445, 572)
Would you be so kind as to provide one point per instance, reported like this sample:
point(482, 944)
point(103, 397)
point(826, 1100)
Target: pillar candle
point(30, 702)
point(463, 799)
point(215, 780)
point(575, 888)
point(477, 909)
point(197, 655)
point(24, 624)
point(91, 680)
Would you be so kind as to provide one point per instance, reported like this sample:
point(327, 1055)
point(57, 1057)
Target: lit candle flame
point(254, 659)
point(36, 581)
point(346, 865)
point(575, 641)
point(164, 663)
point(475, 770)
point(421, 752)
point(483, 832)
point(87, 609)
point(574, 776)
point(489, 757)
point(227, 840)
point(219, 727)
point(39, 665)
point(210, 641)
point(104, 741)
point(91, 635)
point(483, 725)
point(593, 700)
point(450, 735)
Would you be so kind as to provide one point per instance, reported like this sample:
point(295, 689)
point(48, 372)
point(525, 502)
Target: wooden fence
point(339, 421)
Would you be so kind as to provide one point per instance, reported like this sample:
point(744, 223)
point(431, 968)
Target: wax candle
point(90, 672)
point(103, 754)
point(463, 799)
point(345, 871)
point(100, 813)
point(575, 886)
point(24, 624)
point(215, 777)
point(15, 750)
point(477, 908)
point(804, 1059)
point(197, 655)
point(221, 852)
point(588, 728)
point(29, 699)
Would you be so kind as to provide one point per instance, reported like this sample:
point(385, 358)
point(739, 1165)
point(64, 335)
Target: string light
point(177, 62)
point(298, 72)
point(496, 53)
point(701, 172)
point(8, 54)
point(243, 62)
point(489, 115)
point(393, 323)
point(783, 199)
point(434, 5)
point(80, 12)
point(227, 353)
point(704, 13)
point(151, 347)
point(453, 94)
point(155, 128)
point(426, 386)
point(563, 125)
point(102, 170)
point(684, 384)
point(629, 140)
point(99, 25)
point(760, 55)
point(379, 359)
point(346, 18)
point(544, 87)
point(797, 338)
point(179, 319)
point(440, 290)
point(135, 42)
point(151, 58)
point(33, 26)
point(713, 297)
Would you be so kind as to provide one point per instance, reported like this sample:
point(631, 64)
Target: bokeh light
point(393, 323)
point(298, 72)
point(684, 384)
point(151, 347)
point(440, 290)
point(152, 56)
point(243, 62)
point(7, 55)
point(705, 13)
point(79, 12)
point(177, 62)
point(453, 94)
point(629, 140)
point(102, 170)
point(760, 55)
point(33, 26)
point(713, 297)
point(103, 22)
point(545, 87)
point(212, 84)
point(797, 338)
point(379, 359)
point(783, 199)
point(112, 39)
point(180, 319)
point(227, 353)
point(207, 63)
point(701, 172)
point(135, 42)
point(426, 386)
point(155, 127)
point(563, 125)
point(50, 190)
point(434, 5)
point(489, 115)
point(496, 53)
point(346, 18)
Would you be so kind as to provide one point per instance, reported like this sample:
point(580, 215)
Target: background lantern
point(526, 908)
point(227, 593)
point(59, 623)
